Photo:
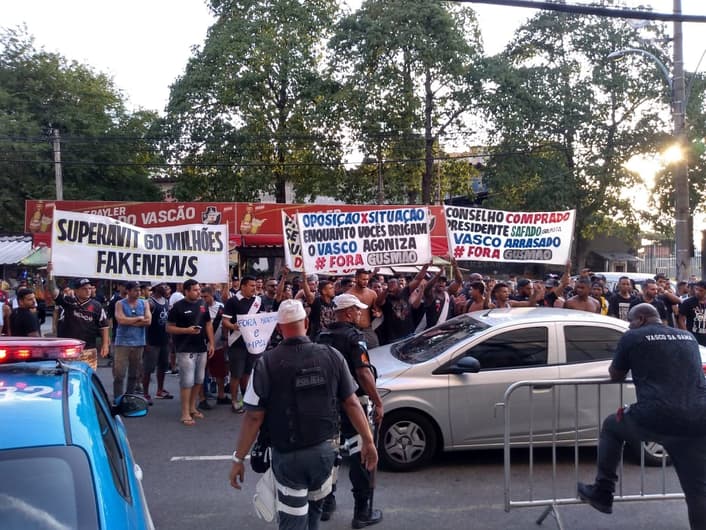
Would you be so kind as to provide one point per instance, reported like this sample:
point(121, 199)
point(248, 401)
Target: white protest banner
point(292, 243)
point(94, 246)
point(480, 234)
point(340, 242)
point(257, 330)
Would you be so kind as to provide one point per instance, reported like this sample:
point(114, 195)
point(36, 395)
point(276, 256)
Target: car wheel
point(653, 454)
point(408, 440)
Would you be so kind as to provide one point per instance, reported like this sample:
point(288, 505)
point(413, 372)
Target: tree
point(411, 71)
point(566, 120)
point(105, 153)
point(252, 112)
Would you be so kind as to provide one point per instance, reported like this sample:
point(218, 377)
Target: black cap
point(82, 282)
point(132, 285)
point(523, 282)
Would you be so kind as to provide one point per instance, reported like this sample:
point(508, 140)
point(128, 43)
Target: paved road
point(186, 471)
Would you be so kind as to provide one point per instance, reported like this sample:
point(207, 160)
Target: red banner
point(249, 224)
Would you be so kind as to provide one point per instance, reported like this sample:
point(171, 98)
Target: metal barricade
point(609, 396)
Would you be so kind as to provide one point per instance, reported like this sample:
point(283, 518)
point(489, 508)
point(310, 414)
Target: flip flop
point(164, 395)
point(197, 414)
point(187, 421)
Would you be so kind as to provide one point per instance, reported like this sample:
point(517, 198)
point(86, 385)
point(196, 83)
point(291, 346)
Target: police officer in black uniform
point(300, 412)
point(346, 337)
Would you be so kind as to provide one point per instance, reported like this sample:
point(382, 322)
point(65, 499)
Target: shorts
point(216, 365)
point(241, 362)
point(192, 367)
point(155, 357)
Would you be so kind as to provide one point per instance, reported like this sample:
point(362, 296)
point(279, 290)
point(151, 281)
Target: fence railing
point(668, 265)
point(576, 410)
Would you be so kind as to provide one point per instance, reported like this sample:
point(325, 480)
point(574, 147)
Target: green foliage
point(566, 120)
point(101, 142)
point(410, 70)
point(253, 109)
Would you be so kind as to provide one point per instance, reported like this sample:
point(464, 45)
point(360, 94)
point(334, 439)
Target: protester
point(216, 367)
point(396, 307)
point(189, 321)
point(438, 302)
point(133, 316)
point(692, 312)
point(582, 300)
point(23, 319)
point(83, 318)
point(671, 410)
point(241, 362)
point(156, 352)
point(368, 298)
point(311, 378)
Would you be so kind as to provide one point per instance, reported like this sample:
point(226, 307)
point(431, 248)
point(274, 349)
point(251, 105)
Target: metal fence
point(651, 264)
point(578, 407)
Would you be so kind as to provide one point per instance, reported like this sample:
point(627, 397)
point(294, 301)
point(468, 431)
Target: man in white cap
point(311, 380)
point(347, 338)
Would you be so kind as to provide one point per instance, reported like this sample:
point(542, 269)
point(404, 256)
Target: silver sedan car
point(441, 388)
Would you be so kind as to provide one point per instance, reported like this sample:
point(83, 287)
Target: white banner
point(292, 243)
point(341, 242)
point(257, 330)
point(94, 246)
point(479, 234)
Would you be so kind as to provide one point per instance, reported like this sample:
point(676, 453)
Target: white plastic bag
point(265, 498)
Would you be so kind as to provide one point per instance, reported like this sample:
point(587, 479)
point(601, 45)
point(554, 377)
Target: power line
point(591, 10)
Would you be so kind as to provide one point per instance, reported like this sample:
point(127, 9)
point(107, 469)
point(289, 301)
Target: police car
point(65, 461)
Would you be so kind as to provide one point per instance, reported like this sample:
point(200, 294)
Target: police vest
point(347, 340)
point(302, 409)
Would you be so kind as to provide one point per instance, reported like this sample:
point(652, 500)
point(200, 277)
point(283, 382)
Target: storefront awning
point(39, 257)
point(14, 248)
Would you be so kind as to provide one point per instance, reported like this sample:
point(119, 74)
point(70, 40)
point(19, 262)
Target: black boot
point(328, 507)
point(364, 514)
point(601, 499)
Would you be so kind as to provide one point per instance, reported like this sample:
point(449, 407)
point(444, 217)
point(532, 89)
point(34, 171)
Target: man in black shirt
point(23, 319)
point(671, 409)
point(189, 322)
point(396, 308)
point(692, 313)
point(241, 362)
point(84, 318)
point(621, 301)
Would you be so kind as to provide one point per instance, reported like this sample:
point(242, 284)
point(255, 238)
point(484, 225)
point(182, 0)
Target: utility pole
point(57, 166)
point(682, 238)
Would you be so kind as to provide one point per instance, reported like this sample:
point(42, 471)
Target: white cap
point(344, 301)
point(290, 311)
point(155, 284)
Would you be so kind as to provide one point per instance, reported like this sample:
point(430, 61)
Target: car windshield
point(46, 488)
point(436, 340)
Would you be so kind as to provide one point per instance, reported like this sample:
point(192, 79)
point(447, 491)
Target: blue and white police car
point(65, 461)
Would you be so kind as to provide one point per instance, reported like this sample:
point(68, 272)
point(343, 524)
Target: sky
point(145, 45)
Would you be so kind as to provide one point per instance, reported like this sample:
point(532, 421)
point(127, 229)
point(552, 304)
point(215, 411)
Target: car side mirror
point(465, 365)
point(130, 406)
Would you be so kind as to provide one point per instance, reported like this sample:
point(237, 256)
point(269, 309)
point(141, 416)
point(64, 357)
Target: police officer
point(346, 337)
point(300, 412)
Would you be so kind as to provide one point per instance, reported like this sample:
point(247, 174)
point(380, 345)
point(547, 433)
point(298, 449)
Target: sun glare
point(672, 154)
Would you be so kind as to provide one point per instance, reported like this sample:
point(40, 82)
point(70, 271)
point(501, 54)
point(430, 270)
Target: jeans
point(127, 359)
point(688, 457)
point(298, 474)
